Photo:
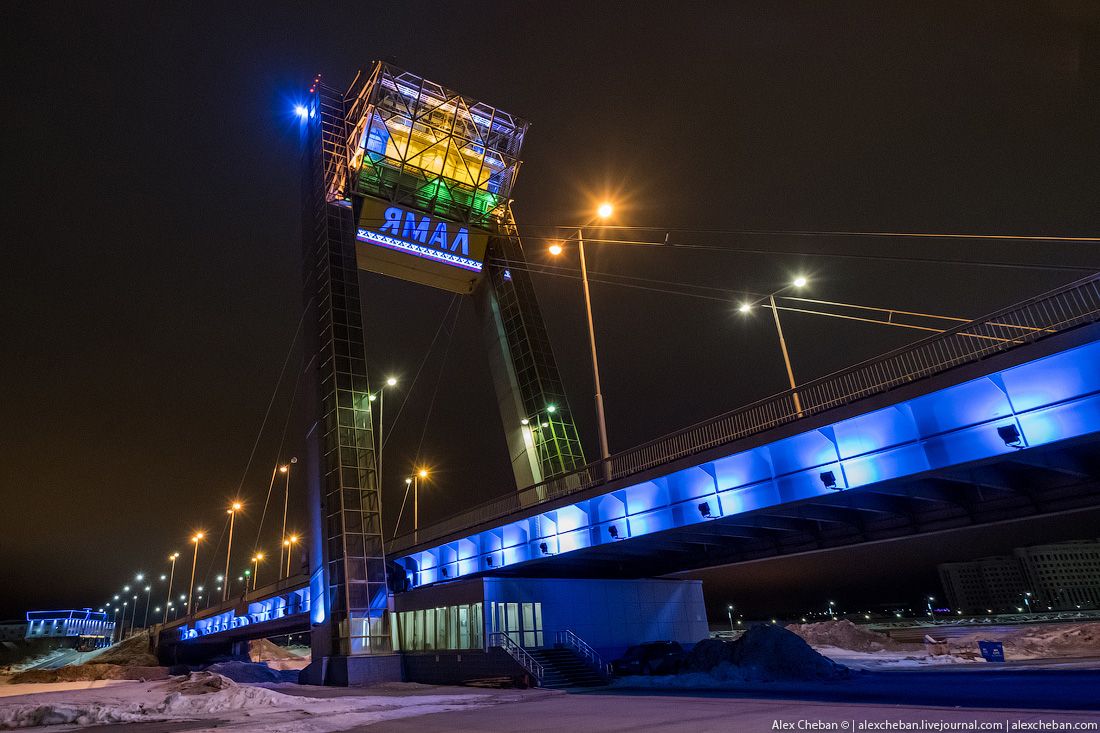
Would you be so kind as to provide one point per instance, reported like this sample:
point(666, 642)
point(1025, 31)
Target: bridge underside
point(1031, 483)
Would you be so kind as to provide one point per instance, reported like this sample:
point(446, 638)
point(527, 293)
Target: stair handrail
point(569, 638)
point(517, 652)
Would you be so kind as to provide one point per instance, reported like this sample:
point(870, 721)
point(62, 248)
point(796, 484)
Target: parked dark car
point(653, 657)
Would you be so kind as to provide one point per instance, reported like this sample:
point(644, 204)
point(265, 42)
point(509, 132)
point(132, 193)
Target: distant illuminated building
point(1064, 575)
point(84, 627)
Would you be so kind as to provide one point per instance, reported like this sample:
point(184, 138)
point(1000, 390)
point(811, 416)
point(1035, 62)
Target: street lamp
point(286, 503)
point(232, 512)
point(256, 568)
point(603, 211)
point(799, 282)
point(195, 540)
point(415, 480)
point(148, 594)
point(289, 543)
point(133, 615)
point(122, 630)
point(381, 396)
point(729, 612)
point(171, 577)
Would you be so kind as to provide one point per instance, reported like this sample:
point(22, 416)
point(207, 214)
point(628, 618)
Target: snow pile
point(843, 634)
point(246, 672)
point(216, 699)
point(198, 694)
point(762, 654)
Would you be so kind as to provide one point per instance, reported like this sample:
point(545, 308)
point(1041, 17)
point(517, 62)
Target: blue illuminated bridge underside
point(1013, 436)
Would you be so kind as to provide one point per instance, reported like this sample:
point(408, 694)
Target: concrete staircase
point(565, 668)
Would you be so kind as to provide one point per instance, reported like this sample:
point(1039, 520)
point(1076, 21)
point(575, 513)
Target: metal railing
point(517, 652)
point(1071, 305)
point(569, 639)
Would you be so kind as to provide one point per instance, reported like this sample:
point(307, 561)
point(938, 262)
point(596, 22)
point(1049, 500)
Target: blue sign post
point(992, 651)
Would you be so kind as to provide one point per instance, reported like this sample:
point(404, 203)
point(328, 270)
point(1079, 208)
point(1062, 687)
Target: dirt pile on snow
point(137, 650)
point(1040, 641)
point(265, 650)
point(87, 672)
point(199, 683)
point(762, 654)
point(843, 634)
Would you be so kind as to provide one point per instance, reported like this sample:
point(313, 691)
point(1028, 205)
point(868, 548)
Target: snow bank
point(199, 694)
point(762, 654)
point(212, 697)
point(246, 672)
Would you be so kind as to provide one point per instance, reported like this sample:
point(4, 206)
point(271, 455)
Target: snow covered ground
point(228, 706)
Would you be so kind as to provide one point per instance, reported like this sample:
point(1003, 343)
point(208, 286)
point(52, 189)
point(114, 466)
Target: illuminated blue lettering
point(439, 236)
point(461, 238)
point(414, 229)
point(393, 221)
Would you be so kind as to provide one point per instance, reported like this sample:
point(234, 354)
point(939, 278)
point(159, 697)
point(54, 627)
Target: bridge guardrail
point(1070, 305)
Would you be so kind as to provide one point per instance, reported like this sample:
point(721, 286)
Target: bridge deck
point(994, 420)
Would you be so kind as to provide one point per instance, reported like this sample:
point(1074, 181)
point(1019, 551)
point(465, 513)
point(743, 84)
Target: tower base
point(355, 671)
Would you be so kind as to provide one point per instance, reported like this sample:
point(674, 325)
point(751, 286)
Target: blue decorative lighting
point(1053, 398)
point(447, 258)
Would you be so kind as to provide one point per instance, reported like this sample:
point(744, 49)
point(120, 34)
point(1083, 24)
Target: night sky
point(150, 284)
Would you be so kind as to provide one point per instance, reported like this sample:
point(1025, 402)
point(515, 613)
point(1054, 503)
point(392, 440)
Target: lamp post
point(381, 397)
point(289, 543)
point(286, 503)
point(171, 577)
point(602, 212)
point(118, 626)
point(729, 612)
point(194, 561)
point(148, 595)
point(421, 474)
point(256, 569)
point(232, 512)
point(122, 631)
point(133, 615)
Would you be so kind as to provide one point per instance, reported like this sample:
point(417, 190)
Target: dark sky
point(149, 288)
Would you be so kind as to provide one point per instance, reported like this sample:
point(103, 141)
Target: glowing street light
point(286, 504)
point(148, 594)
point(301, 111)
point(289, 543)
point(381, 443)
point(195, 540)
point(603, 211)
point(256, 565)
point(799, 282)
point(729, 612)
point(421, 474)
point(232, 512)
point(171, 577)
